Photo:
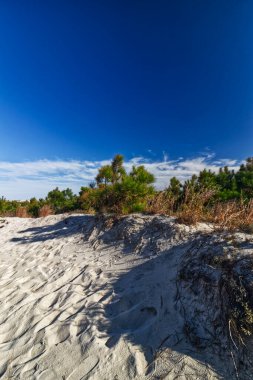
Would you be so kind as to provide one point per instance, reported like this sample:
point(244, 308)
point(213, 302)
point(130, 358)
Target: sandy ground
point(88, 299)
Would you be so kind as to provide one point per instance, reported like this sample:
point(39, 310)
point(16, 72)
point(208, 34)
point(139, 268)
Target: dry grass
point(162, 203)
point(22, 212)
point(236, 289)
point(193, 208)
point(196, 207)
point(233, 215)
point(45, 211)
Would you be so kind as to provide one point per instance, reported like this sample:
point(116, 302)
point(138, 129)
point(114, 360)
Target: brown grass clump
point(233, 215)
point(21, 212)
point(193, 208)
point(200, 206)
point(236, 288)
point(162, 203)
point(45, 211)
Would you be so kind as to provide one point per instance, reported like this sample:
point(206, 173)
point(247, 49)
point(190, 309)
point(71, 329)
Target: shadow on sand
point(145, 309)
point(66, 227)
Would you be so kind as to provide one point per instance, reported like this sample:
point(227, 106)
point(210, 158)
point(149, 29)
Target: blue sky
point(83, 80)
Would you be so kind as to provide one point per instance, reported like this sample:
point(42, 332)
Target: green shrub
point(62, 200)
point(119, 192)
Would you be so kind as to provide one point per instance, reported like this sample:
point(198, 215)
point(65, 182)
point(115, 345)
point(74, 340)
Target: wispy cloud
point(23, 180)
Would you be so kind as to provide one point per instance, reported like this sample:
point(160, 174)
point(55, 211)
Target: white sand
point(82, 299)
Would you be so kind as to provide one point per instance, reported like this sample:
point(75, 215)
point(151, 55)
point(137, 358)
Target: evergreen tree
point(105, 175)
point(62, 201)
point(120, 192)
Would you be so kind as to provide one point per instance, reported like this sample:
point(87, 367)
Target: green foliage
point(226, 185)
point(86, 198)
point(115, 190)
point(207, 179)
point(105, 175)
point(120, 192)
point(244, 179)
point(62, 200)
point(34, 206)
point(118, 170)
point(8, 207)
point(175, 187)
point(59, 201)
point(140, 175)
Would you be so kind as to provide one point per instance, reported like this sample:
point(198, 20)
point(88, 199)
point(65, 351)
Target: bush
point(224, 197)
point(34, 206)
point(233, 214)
point(86, 199)
point(8, 208)
point(45, 211)
point(194, 205)
point(62, 200)
point(21, 212)
point(118, 192)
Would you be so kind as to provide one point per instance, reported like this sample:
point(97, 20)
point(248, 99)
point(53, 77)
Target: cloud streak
point(23, 180)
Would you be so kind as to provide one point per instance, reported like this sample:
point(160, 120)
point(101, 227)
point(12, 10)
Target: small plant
point(118, 192)
point(62, 200)
point(235, 290)
point(45, 211)
point(194, 208)
point(161, 203)
point(239, 310)
point(233, 214)
point(21, 212)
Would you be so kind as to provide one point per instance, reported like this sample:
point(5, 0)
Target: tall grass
point(194, 206)
point(201, 206)
point(45, 211)
point(233, 214)
point(21, 212)
point(161, 203)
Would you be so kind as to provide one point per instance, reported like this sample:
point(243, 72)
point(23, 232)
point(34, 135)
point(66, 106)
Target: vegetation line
point(224, 198)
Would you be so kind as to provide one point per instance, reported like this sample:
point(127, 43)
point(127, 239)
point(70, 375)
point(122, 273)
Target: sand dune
point(83, 298)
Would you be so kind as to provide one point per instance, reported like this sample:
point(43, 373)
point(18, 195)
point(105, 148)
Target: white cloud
point(23, 180)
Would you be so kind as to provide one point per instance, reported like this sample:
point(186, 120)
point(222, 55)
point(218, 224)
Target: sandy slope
point(88, 299)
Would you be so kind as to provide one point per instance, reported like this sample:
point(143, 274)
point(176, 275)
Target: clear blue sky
point(87, 79)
